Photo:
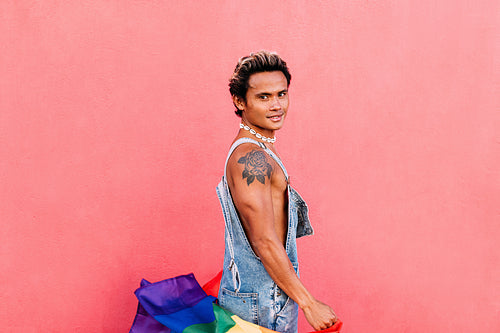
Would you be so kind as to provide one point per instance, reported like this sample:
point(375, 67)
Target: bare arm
point(252, 192)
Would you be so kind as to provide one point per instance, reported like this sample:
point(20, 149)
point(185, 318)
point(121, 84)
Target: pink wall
point(115, 120)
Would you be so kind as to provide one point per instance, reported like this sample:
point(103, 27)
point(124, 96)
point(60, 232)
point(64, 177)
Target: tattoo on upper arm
point(256, 167)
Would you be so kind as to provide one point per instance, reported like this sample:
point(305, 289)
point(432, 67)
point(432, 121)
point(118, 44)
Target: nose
point(276, 105)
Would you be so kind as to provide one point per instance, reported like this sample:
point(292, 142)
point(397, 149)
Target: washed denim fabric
point(246, 288)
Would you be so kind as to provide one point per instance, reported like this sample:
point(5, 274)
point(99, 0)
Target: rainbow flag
point(181, 305)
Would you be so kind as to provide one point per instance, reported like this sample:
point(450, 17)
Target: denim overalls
point(246, 288)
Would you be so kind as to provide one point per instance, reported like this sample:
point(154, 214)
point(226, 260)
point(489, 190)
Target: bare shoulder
point(250, 164)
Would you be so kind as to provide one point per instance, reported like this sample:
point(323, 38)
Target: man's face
point(266, 102)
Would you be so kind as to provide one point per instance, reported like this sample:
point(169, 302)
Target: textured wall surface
point(115, 120)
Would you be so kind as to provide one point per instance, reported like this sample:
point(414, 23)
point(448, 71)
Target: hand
point(319, 315)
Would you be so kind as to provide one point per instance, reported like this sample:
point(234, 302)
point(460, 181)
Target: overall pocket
point(244, 305)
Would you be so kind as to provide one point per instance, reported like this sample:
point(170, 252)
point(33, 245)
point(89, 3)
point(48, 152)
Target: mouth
point(276, 118)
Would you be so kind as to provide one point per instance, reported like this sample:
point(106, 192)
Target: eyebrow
point(269, 94)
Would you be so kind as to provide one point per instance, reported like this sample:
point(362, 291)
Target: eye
point(281, 94)
point(263, 97)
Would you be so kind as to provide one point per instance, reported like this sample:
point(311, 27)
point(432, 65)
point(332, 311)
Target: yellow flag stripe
point(243, 326)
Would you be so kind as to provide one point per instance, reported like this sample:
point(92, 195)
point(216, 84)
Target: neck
point(250, 131)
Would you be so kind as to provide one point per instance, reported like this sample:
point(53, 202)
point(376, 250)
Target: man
point(263, 214)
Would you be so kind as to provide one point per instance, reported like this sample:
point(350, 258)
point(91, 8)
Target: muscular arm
point(250, 175)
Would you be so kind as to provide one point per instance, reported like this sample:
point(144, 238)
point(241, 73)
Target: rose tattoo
point(256, 166)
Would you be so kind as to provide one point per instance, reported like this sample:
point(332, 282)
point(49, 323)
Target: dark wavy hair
point(262, 61)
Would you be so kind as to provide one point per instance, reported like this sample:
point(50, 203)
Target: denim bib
point(246, 288)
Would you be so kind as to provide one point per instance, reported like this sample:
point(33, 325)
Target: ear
point(239, 103)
